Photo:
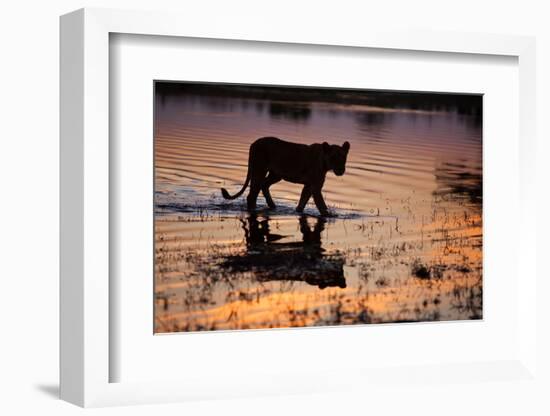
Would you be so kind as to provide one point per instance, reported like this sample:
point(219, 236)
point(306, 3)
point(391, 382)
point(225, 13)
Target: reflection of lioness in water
point(271, 160)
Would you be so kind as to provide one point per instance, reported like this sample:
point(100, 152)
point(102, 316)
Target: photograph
point(291, 206)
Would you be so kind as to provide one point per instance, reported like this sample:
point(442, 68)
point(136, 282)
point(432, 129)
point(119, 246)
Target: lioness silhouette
point(271, 160)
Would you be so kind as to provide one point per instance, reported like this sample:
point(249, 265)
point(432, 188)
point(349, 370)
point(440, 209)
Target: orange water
point(406, 244)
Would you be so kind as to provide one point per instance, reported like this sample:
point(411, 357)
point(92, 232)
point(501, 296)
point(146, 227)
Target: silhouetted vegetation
point(464, 104)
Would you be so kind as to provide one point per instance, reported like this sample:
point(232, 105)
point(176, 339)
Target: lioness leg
point(320, 202)
point(306, 194)
point(252, 196)
point(270, 180)
point(256, 184)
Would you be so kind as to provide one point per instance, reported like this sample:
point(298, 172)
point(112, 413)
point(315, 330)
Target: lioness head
point(335, 157)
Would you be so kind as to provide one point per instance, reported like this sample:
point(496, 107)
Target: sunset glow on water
point(405, 244)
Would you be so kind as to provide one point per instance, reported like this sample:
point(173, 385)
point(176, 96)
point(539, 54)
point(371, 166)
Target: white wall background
point(29, 115)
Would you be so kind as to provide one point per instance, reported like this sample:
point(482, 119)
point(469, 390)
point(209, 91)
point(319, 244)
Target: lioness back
point(294, 162)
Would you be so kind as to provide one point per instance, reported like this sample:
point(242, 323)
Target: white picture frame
point(85, 219)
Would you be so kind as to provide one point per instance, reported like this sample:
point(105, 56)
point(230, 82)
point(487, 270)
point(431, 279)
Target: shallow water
point(406, 244)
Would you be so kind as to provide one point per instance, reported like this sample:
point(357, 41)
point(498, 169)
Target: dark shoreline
point(469, 104)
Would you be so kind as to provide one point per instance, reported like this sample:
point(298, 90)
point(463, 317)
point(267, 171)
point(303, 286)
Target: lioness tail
point(226, 195)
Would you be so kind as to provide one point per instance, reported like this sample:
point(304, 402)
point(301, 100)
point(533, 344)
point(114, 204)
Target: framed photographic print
point(270, 212)
point(397, 236)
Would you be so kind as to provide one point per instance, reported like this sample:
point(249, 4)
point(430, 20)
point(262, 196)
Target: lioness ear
point(346, 146)
point(326, 146)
